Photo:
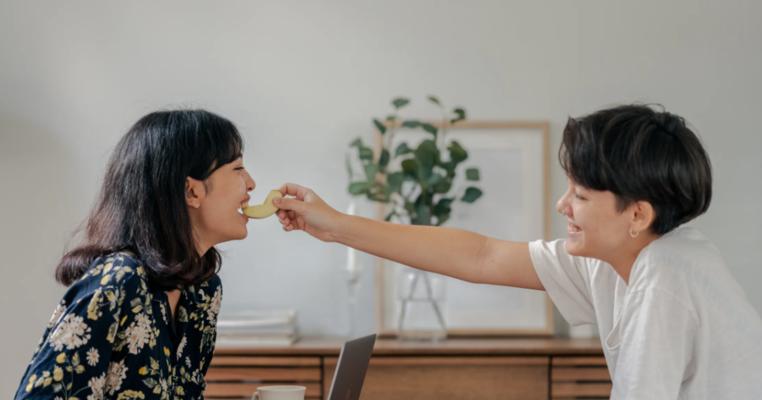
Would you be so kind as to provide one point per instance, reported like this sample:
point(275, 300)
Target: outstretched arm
point(461, 254)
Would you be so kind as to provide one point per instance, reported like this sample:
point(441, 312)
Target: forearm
point(447, 251)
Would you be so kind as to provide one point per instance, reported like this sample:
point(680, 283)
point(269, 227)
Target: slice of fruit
point(264, 210)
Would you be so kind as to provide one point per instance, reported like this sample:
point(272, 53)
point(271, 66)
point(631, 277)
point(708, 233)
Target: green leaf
point(410, 166)
point(365, 153)
point(391, 117)
point(423, 214)
point(383, 160)
point(411, 123)
point(394, 181)
point(441, 219)
point(379, 125)
point(443, 186)
point(427, 153)
point(356, 188)
point(435, 178)
point(434, 100)
point(371, 170)
point(449, 166)
point(356, 143)
point(379, 196)
point(471, 195)
point(400, 102)
point(472, 174)
point(402, 149)
point(429, 128)
point(460, 115)
point(457, 152)
point(443, 205)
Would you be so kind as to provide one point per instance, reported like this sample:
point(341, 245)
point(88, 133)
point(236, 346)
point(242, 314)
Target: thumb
point(290, 204)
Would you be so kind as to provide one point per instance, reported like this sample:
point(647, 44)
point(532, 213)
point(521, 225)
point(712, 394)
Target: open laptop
point(350, 369)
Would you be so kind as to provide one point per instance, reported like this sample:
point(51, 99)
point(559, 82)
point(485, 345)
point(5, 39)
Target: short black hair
point(640, 154)
point(141, 206)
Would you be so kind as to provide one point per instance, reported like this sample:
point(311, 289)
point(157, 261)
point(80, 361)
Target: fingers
point(292, 189)
point(290, 220)
point(289, 204)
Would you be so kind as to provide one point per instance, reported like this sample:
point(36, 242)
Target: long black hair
point(639, 153)
point(141, 206)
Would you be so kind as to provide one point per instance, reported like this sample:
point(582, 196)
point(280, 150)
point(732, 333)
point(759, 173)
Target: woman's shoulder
point(122, 269)
point(678, 261)
point(683, 247)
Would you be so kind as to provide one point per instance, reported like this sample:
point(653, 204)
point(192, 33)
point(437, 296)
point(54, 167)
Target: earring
point(634, 233)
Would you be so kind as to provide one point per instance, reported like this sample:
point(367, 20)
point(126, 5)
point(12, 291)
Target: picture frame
point(512, 156)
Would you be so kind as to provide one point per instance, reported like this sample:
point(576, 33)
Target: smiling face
point(214, 204)
point(596, 228)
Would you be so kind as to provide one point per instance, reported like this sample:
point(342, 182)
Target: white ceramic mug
point(280, 392)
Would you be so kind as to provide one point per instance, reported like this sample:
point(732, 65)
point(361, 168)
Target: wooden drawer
point(237, 377)
point(579, 378)
point(452, 377)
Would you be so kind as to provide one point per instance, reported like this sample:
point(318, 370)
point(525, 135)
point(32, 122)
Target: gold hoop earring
point(634, 233)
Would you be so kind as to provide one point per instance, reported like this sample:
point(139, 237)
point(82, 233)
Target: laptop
point(350, 369)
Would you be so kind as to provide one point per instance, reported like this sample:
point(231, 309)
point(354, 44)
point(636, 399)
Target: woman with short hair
point(673, 322)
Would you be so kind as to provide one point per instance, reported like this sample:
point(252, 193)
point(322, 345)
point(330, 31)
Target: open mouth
point(240, 209)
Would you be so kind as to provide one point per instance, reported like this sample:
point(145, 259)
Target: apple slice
point(264, 210)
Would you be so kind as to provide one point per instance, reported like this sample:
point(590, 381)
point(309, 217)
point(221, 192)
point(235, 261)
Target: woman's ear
point(643, 216)
point(195, 191)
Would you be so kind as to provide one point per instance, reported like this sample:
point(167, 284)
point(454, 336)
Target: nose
point(562, 205)
point(250, 183)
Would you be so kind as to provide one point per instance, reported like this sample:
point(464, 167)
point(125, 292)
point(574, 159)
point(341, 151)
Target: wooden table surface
point(327, 346)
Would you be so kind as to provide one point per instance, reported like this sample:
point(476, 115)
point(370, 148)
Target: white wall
point(301, 79)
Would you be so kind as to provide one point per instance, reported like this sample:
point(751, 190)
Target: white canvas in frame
point(513, 160)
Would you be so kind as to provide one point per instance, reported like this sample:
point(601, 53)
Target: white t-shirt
point(681, 329)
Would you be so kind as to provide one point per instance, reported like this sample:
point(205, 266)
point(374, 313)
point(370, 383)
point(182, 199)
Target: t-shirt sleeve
point(655, 339)
point(565, 279)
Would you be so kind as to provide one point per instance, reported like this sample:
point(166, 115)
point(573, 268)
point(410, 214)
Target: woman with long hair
point(138, 319)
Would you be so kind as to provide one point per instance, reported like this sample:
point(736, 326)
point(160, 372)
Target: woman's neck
point(625, 256)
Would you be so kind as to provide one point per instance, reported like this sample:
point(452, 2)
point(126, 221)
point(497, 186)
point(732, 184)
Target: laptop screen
point(351, 367)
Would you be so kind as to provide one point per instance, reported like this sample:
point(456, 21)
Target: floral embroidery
point(139, 333)
point(92, 357)
point(116, 374)
point(71, 332)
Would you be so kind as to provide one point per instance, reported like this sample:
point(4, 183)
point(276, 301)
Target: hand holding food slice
point(264, 210)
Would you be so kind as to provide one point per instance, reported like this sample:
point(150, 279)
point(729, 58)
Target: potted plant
point(415, 180)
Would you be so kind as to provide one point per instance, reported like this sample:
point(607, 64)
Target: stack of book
point(257, 328)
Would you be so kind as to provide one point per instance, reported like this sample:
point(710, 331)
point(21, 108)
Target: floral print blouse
point(113, 336)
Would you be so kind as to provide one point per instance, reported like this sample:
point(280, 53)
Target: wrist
point(339, 225)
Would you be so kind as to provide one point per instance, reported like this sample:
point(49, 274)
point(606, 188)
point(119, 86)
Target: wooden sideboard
point(526, 369)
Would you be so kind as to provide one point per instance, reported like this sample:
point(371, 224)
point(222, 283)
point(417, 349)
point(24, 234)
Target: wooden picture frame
point(513, 157)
